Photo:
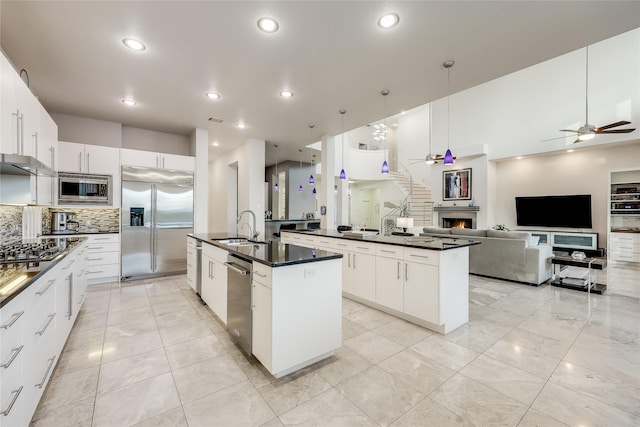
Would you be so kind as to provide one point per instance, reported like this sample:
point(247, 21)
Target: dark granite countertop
point(272, 253)
point(422, 242)
point(73, 233)
point(15, 278)
point(293, 220)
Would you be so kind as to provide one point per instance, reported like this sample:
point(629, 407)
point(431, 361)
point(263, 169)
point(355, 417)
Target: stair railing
point(388, 222)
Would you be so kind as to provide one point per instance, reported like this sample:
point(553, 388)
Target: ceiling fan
point(429, 159)
point(589, 131)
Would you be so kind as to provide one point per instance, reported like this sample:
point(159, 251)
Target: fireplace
point(457, 216)
point(457, 223)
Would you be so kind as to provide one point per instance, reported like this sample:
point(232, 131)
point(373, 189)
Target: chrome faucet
point(254, 233)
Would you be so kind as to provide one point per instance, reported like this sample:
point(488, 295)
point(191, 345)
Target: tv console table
point(592, 264)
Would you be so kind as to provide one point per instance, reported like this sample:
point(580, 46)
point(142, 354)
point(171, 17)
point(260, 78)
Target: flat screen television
point(554, 211)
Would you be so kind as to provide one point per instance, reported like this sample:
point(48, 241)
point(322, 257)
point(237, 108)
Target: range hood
point(16, 164)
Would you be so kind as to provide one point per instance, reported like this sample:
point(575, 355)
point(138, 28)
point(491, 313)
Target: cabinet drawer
point(342, 245)
point(111, 238)
point(12, 316)
point(325, 242)
point(262, 274)
point(99, 271)
point(214, 252)
point(11, 352)
point(421, 256)
point(390, 251)
point(624, 256)
point(99, 258)
point(41, 290)
point(625, 238)
point(102, 247)
point(363, 247)
point(191, 243)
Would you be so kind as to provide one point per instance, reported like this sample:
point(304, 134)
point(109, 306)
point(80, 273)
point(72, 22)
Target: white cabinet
point(20, 113)
point(12, 386)
point(214, 280)
point(86, 158)
point(390, 276)
point(261, 319)
point(47, 153)
point(102, 257)
point(192, 262)
point(624, 247)
point(296, 314)
point(358, 268)
point(151, 159)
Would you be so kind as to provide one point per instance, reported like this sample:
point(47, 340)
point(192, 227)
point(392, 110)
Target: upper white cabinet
point(47, 152)
point(156, 160)
point(85, 158)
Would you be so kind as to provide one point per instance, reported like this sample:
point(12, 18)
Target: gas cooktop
point(25, 253)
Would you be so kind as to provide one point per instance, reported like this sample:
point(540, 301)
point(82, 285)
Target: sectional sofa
point(509, 255)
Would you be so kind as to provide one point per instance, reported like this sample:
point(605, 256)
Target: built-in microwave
point(84, 189)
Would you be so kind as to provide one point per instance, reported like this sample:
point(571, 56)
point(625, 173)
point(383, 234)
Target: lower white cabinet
point(102, 258)
point(296, 314)
point(624, 247)
point(33, 329)
point(192, 263)
point(214, 280)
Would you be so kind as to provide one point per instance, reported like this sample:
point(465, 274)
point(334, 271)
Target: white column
point(253, 172)
point(200, 149)
point(325, 189)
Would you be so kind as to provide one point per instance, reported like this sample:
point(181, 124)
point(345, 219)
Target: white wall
point(88, 131)
point(300, 202)
point(149, 140)
point(580, 172)
point(200, 149)
point(228, 197)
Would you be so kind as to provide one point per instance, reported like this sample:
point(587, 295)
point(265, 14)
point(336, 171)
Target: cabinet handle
point(349, 261)
point(49, 283)
point(360, 247)
point(14, 354)
point(46, 374)
point(70, 301)
point(101, 238)
point(21, 133)
point(406, 271)
point(264, 276)
point(35, 144)
point(420, 256)
point(44, 328)
point(387, 252)
point(15, 393)
point(94, 271)
point(162, 162)
point(95, 247)
point(88, 163)
point(354, 260)
point(398, 270)
point(14, 319)
point(17, 114)
point(80, 162)
point(94, 259)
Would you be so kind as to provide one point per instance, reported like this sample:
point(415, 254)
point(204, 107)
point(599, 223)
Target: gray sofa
point(509, 255)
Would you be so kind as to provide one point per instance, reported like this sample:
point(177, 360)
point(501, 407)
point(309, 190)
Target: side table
point(592, 264)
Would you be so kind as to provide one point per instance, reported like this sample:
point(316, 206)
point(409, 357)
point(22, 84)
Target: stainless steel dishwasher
point(239, 301)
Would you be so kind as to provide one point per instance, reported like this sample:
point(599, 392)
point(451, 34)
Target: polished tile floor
point(150, 354)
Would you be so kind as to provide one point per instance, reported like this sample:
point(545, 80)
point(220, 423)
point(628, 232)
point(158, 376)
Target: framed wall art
point(456, 184)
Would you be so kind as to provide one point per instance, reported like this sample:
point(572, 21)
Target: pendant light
point(275, 186)
point(311, 180)
point(343, 175)
point(431, 158)
point(300, 189)
point(448, 156)
point(383, 136)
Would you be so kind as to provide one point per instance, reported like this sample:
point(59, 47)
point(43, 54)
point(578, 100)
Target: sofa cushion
point(521, 235)
point(436, 230)
point(469, 232)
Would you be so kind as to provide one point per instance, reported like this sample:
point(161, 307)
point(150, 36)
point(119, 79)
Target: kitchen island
point(424, 280)
point(293, 298)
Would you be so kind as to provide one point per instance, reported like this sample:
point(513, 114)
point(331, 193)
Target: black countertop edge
point(431, 243)
point(298, 254)
point(33, 276)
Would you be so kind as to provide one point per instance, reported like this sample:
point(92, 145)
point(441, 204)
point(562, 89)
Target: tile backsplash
point(90, 220)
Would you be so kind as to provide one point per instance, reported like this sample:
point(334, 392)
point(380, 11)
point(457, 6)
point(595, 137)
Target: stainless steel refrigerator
point(156, 216)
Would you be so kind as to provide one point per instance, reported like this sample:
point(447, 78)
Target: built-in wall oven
point(239, 301)
point(82, 189)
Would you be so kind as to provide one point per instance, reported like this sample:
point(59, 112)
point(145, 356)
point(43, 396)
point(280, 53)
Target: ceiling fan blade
point(569, 130)
point(616, 131)
point(553, 139)
point(612, 125)
point(417, 162)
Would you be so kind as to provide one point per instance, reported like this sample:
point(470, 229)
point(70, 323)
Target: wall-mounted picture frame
point(456, 184)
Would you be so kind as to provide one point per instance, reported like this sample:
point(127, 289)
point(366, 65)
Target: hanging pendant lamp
point(311, 180)
point(275, 186)
point(448, 156)
point(300, 189)
point(383, 135)
point(314, 190)
point(343, 175)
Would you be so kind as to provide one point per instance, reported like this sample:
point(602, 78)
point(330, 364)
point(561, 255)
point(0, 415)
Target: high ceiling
point(331, 54)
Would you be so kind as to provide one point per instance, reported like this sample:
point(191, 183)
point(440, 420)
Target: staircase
point(420, 203)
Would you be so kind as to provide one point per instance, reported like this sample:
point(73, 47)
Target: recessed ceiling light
point(213, 95)
point(134, 44)
point(389, 20)
point(129, 102)
point(570, 151)
point(216, 144)
point(241, 125)
point(519, 158)
point(286, 94)
point(268, 25)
